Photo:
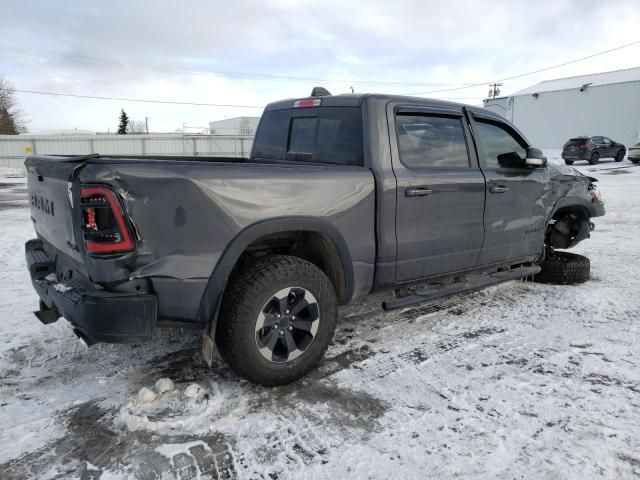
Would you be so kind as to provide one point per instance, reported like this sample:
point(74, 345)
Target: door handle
point(417, 192)
point(498, 189)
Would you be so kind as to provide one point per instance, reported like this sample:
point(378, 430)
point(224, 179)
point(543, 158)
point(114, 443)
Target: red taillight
point(104, 227)
point(584, 145)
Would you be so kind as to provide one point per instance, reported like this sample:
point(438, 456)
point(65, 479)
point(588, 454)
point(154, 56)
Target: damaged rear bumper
point(97, 315)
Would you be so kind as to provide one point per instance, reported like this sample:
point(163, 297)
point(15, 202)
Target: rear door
point(439, 192)
point(517, 196)
point(601, 148)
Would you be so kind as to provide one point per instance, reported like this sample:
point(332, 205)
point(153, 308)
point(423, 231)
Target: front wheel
point(620, 156)
point(595, 158)
point(277, 319)
point(568, 162)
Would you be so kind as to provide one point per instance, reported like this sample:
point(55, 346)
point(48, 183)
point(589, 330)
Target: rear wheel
point(595, 158)
point(635, 161)
point(569, 162)
point(277, 320)
point(620, 156)
point(564, 268)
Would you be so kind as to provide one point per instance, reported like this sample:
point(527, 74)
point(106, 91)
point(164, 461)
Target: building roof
point(595, 79)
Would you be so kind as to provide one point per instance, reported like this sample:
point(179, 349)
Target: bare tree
point(11, 117)
point(136, 127)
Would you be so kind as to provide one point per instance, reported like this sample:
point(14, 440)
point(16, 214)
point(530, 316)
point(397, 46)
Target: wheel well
point(311, 246)
point(564, 229)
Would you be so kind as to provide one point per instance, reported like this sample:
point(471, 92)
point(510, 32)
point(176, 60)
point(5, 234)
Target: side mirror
point(535, 158)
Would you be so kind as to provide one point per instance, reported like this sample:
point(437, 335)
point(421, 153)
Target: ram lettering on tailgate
point(43, 204)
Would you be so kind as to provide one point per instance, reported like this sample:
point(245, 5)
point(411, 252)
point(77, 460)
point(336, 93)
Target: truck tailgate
point(50, 185)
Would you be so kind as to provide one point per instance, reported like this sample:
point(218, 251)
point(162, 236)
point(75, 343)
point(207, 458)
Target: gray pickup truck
point(342, 195)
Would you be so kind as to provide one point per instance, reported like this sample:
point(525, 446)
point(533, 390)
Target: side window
point(271, 137)
point(499, 147)
point(429, 141)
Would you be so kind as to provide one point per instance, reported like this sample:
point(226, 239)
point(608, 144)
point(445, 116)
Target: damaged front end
point(575, 200)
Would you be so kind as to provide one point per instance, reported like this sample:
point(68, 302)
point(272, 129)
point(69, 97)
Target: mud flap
point(208, 348)
point(48, 315)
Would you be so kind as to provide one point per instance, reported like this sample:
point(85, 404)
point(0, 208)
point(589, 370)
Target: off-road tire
point(595, 158)
point(568, 162)
point(564, 268)
point(249, 290)
point(619, 156)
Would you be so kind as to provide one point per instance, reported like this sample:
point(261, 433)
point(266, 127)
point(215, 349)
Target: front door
point(440, 192)
point(517, 195)
point(607, 148)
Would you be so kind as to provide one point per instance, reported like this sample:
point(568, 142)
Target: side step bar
point(468, 285)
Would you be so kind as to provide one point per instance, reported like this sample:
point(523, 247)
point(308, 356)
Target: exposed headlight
point(596, 195)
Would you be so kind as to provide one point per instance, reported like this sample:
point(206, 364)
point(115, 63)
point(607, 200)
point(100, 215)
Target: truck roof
point(357, 99)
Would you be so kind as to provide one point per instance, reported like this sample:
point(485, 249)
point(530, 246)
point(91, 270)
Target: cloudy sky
point(250, 53)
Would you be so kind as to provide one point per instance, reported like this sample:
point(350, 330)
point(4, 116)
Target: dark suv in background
point(592, 149)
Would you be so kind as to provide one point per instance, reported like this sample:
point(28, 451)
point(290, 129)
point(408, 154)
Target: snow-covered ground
point(517, 381)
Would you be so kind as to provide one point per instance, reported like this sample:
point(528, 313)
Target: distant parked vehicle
point(592, 149)
point(634, 154)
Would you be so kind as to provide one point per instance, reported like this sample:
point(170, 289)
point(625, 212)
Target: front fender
point(595, 209)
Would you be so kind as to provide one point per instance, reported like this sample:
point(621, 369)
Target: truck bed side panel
point(187, 213)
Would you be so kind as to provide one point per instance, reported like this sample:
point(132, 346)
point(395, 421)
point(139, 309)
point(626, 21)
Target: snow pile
point(168, 410)
point(164, 385)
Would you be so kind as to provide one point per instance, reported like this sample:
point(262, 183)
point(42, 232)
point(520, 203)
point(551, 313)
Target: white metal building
point(551, 112)
point(234, 126)
point(14, 148)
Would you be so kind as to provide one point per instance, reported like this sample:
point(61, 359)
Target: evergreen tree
point(124, 122)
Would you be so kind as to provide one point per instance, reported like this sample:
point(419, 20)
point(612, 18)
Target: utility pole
point(146, 123)
point(494, 91)
point(352, 89)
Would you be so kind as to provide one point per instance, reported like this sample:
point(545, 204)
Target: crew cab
point(342, 196)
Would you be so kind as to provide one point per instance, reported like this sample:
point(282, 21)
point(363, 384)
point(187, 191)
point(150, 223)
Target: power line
point(532, 72)
point(255, 76)
point(123, 99)
point(245, 75)
point(171, 102)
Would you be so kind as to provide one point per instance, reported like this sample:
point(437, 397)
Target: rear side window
point(499, 147)
point(429, 141)
point(317, 134)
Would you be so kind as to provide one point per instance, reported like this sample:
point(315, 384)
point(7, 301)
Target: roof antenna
point(320, 92)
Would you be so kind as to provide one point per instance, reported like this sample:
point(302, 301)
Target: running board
point(468, 285)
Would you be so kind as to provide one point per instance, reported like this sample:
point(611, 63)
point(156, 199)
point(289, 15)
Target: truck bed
point(188, 213)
